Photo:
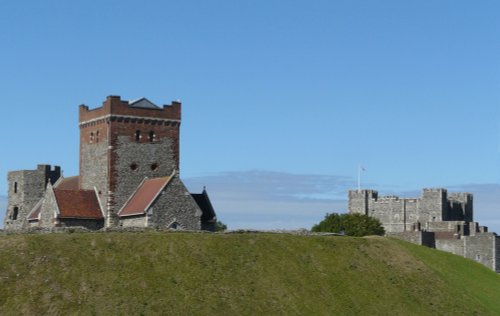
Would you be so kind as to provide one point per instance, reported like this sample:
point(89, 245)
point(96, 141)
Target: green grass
point(239, 274)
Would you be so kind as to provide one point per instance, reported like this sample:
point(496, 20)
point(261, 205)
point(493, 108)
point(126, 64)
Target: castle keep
point(436, 219)
point(129, 176)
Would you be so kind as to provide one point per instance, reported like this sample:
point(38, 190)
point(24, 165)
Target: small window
point(174, 225)
point(137, 136)
point(154, 166)
point(97, 137)
point(134, 166)
point(91, 137)
point(478, 257)
point(152, 136)
point(15, 187)
point(15, 213)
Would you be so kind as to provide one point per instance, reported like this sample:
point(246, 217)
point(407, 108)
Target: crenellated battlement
point(116, 108)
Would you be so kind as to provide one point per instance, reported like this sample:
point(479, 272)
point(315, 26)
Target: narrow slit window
point(97, 136)
point(91, 137)
point(151, 136)
point(15, 187)
point(15, 213)
point(137, 136)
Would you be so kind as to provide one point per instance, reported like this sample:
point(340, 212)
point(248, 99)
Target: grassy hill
point(249, 274)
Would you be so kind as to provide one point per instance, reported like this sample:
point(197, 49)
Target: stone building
point(129, 176)
point(436, 219)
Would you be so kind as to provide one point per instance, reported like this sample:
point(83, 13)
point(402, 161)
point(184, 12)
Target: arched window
point(137, 136)
point(97, 137)
point(151, 136)
point(15, 213)
point(15, 187)
point(174, 225)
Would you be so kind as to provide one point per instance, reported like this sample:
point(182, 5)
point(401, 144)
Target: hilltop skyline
point(282, 101)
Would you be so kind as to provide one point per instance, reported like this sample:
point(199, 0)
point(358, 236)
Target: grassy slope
point(155, 273)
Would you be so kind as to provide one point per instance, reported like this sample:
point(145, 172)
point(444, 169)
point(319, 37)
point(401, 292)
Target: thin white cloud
point(273, 200)
point(277, 200)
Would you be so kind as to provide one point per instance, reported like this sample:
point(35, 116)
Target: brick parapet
point(117, 107)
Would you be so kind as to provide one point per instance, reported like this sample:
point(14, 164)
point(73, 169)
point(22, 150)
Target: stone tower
point(123, 142)
point(359, 201)
point(26, 188)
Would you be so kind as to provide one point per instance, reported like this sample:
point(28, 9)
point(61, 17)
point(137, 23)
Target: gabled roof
point(78, 204)
point(144, 196)
point(70, 183)
point(143, 103)
point(35, 212)
point(205, 205)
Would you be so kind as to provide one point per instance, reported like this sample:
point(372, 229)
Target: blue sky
point(278, 96)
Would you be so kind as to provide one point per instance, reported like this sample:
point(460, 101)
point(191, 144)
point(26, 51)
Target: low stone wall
point(455, 246)
point(416, 237)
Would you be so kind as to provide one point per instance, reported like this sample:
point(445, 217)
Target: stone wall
point(133, 221)
point(91, 224)
point(176, 205)
point(49, 209)
point(94, 160)
point(497, 253)
point(402, 214)
point(432, 205)
point(26, 188)
point(455, 246)
point(460, 207)
point(143, 157)
point(358, 201)
point(481, 248)
point(446, 226)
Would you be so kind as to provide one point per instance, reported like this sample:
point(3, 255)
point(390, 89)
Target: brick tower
point(123, 142)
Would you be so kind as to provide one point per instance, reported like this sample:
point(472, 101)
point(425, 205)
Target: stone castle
point(129, 176)
point(436, 219)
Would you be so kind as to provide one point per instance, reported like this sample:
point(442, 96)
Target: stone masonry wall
point(94, 159)
point(144, 156)
point(402, 214)
point(432, 205)
point(92, 224)
point(481, 248)
point(358, 201)
point(31, 186)
point(133, 221)
point(49, 209)
point(416, 237)
point(455, 246)
point(175, 205)
point(497, 253)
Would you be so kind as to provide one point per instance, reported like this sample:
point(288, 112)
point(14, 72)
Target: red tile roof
point(144, 196)
point(71, 183)
point(78, 204)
